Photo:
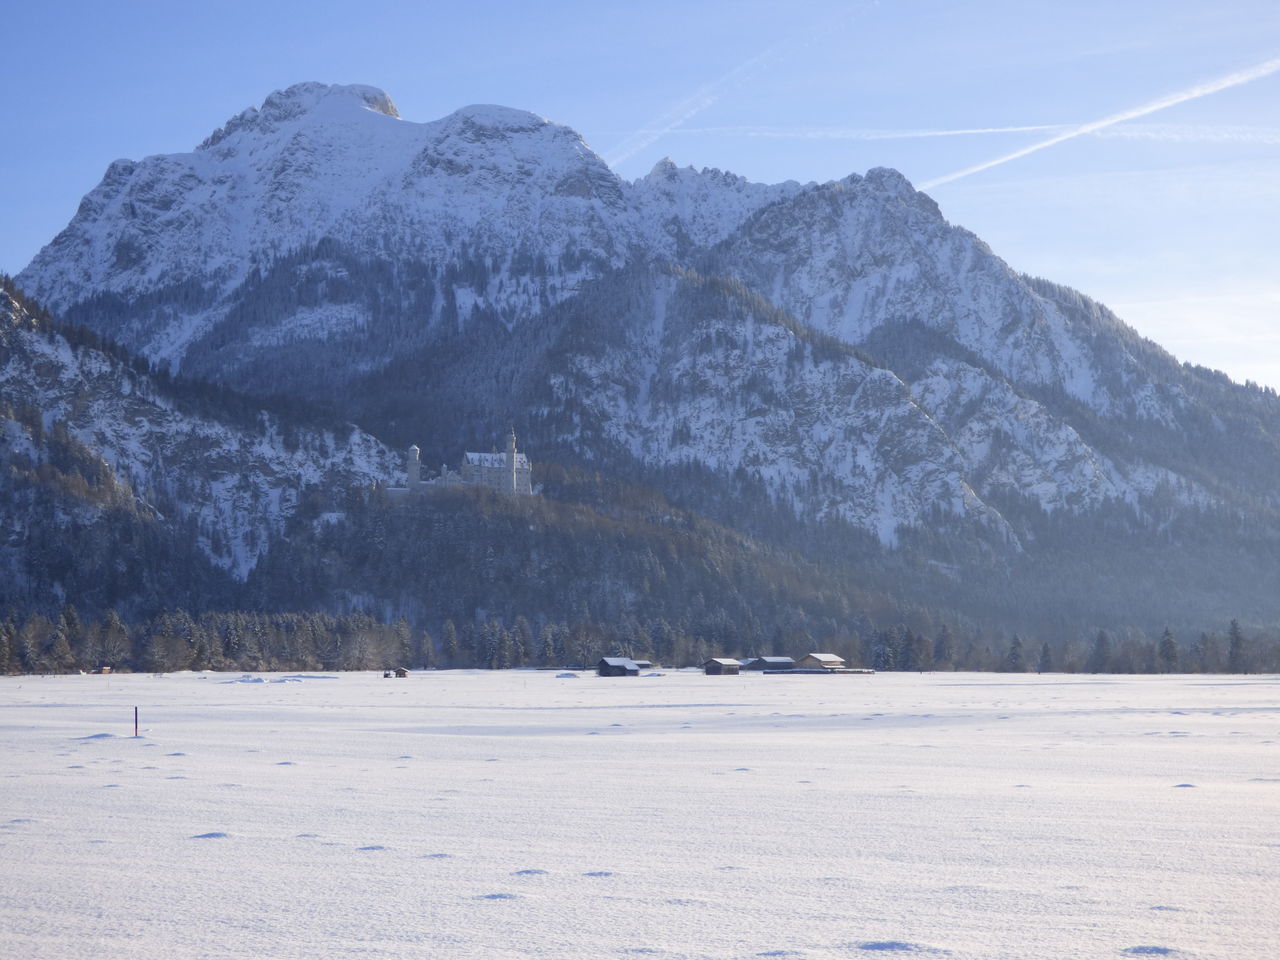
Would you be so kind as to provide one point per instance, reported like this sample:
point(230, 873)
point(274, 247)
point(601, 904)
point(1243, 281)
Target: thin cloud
point(1256, 72)
point(710, 93)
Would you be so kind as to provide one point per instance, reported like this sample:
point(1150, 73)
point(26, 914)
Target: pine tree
point(1235, 649)
point(1014, 661)
point(185, 635)
point(885, 648)
point(449, 649)
point(156, 646)
point(115, 641)
point(906, 650)
point(1045, 663)
point(547, 646)
point(506, 657)
point(30, 643)
point(1205, 654)
point(490, 642)
point(249, 656)
point(919, 652)
point(944, 649)
point(468, 646)
point(1100, 654)
point(201, 648)
point(7, 634)
point(75, 633)
point(662, 640)
point(1167, 652)
point(521, 642)
point(403, 639)
point(427, 648)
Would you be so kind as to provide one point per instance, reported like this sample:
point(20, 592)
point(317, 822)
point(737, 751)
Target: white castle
point(508, 472)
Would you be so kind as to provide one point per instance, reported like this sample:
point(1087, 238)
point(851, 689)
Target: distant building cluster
point(727, 666)
point(809, 663)
point(508, 472)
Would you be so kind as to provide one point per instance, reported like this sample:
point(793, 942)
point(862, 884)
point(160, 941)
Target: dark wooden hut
point(721, 666)
point(617, 667)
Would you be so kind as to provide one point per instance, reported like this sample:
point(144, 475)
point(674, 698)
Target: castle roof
point(495, 460)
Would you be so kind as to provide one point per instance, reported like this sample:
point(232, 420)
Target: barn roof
point(826, 658)
point(776, 659)
point(726, 661)
point(620, 662)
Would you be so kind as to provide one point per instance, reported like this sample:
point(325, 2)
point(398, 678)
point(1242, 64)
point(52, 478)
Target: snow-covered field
point(521, 814)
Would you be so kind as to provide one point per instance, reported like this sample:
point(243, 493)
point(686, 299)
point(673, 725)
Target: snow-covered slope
point(681, 210)
point(851, 256)
point(232, 485)
point(696, 370)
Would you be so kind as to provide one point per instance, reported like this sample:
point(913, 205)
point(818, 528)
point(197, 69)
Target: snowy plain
point(522, 814)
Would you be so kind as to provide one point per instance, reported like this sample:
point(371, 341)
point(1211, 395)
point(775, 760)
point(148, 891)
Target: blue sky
point(1168, 216)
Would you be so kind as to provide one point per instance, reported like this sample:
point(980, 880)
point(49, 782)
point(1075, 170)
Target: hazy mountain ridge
point(840, 348)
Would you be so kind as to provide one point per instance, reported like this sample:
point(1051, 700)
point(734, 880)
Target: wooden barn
point(820, 661)
point(617, 667)
point(769, 663)
point(721, 667)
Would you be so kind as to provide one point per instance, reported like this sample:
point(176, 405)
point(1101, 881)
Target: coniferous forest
point(255, 641)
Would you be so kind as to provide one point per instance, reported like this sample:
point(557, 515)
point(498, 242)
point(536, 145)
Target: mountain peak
point(891, 182)
point(664, 169)
point(889, 179)
point(493, 118)
point(302, 97)
point(293, 102)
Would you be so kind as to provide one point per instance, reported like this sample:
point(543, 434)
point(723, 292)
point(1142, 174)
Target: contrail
point(1201, 90)
point(849, 133)
point(1169, 132)
point(709, 93)
point(1195, 133)
point(682, 112)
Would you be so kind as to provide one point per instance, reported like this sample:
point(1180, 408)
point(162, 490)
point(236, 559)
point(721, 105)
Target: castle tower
point(413, 467)
point(511, 461)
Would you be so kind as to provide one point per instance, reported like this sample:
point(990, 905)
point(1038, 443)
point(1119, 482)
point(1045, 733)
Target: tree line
point(254, 641)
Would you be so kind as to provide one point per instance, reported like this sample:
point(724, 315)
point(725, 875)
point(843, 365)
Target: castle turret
point(511, 462)
point(413, 466)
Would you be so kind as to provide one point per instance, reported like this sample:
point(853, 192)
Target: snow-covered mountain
point(519, 206)
point(841, 345)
